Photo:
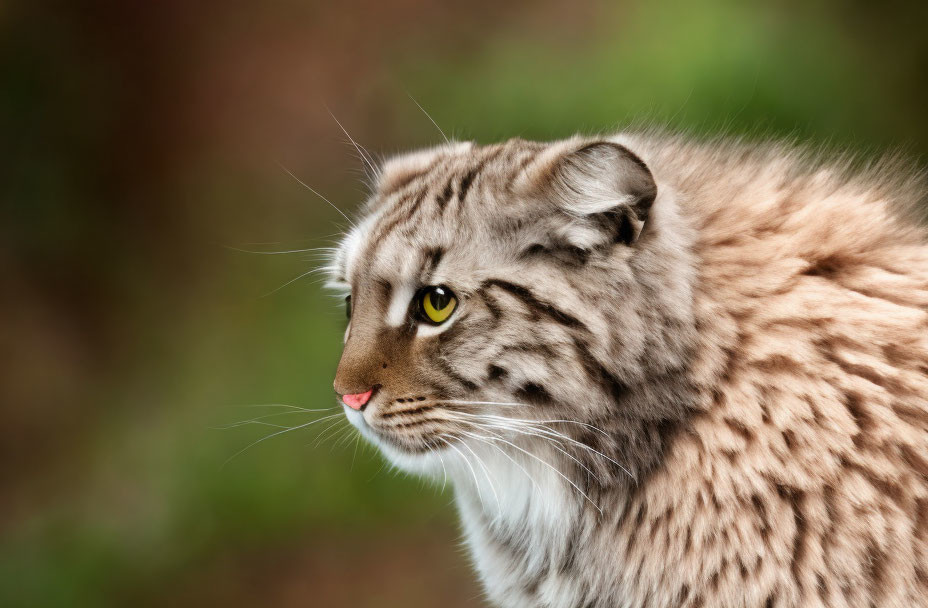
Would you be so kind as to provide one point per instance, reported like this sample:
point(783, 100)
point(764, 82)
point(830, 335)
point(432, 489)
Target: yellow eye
point(437, 304)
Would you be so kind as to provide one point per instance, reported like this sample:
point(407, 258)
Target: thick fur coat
point(677, 373)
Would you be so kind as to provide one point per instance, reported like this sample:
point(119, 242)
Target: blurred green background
point(138, 151)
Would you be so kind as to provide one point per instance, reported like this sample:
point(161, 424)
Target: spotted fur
point(679, 374)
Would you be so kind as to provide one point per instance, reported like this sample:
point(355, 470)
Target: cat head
point(518, 293)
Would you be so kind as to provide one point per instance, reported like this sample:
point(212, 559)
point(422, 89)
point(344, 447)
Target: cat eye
point(436, 304)
point(348, 306)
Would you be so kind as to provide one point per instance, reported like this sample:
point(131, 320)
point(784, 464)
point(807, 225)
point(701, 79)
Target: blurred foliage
point(139, 146)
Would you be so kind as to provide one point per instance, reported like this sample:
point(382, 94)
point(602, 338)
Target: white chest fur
point(519, 518)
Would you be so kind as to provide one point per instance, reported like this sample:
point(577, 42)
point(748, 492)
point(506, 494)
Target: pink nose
point(357, 400)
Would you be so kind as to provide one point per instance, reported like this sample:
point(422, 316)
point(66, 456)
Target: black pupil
point(348, 306)
point(440, 298)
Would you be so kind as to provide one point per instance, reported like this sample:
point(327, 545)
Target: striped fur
point(679, 374)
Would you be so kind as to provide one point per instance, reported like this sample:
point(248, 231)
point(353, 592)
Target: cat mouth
point(408, 435)
point(419, 443)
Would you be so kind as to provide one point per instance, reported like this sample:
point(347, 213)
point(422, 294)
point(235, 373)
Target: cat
point(657, 371)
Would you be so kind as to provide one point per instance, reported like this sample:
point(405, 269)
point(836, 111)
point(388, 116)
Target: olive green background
point(139, 151)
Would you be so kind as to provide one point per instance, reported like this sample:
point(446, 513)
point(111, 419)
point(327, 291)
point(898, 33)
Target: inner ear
point(603, 192)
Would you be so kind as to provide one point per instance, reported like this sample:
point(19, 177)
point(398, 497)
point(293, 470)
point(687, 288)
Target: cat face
point(494, 298)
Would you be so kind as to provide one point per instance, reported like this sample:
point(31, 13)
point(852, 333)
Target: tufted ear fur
point(603, 191)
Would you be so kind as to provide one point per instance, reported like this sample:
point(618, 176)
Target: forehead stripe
point(445, 196)
point(405, 181)
point(433, 258)
point(403, 210)
point(407, 207)
point(388, 221)
point(471, 175)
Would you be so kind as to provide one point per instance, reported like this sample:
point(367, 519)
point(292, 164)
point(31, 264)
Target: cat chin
point(420, 463)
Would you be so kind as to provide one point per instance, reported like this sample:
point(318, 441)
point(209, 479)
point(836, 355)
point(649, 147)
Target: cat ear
point(602, 191)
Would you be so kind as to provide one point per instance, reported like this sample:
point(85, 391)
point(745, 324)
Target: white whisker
point(486, 473)
point(427, 115)
point(333, 425)
point(553, 468)
point(287, 430)
point(467, 462)
point(293, 407)
point(382, 466)
point(551, 441)
point(357, 442)
point(344, 437)
point(584, 424)
point(297, 278)
point(311, 189)
point(255, 422)
point(443, 470)
point(365, 156)
point(535, 425)
point(274, 415)
point(504, 453)
point(482, 402)
point(321, 250)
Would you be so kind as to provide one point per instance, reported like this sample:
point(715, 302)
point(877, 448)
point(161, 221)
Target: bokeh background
point(139, 151)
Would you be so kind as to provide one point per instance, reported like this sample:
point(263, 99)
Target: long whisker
point(365, 157)
point(333, 425)
point(486, 473)
point(274, 415)
point(297, 278)
point(551, 441)
point(287, 430)
point(584, 424)
point(539, 422)
point(314, 191)
point(459, 402)
point(427, 115)
point(357, 442)
point(579, 444)
point(382, 467)
point(467, 462)
point(249, 422)
point(321, 250)
point(443, 470)
point(504, 453)
point(553, 468)
point(514, 423)
point(287, 405)
point(344, 437)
